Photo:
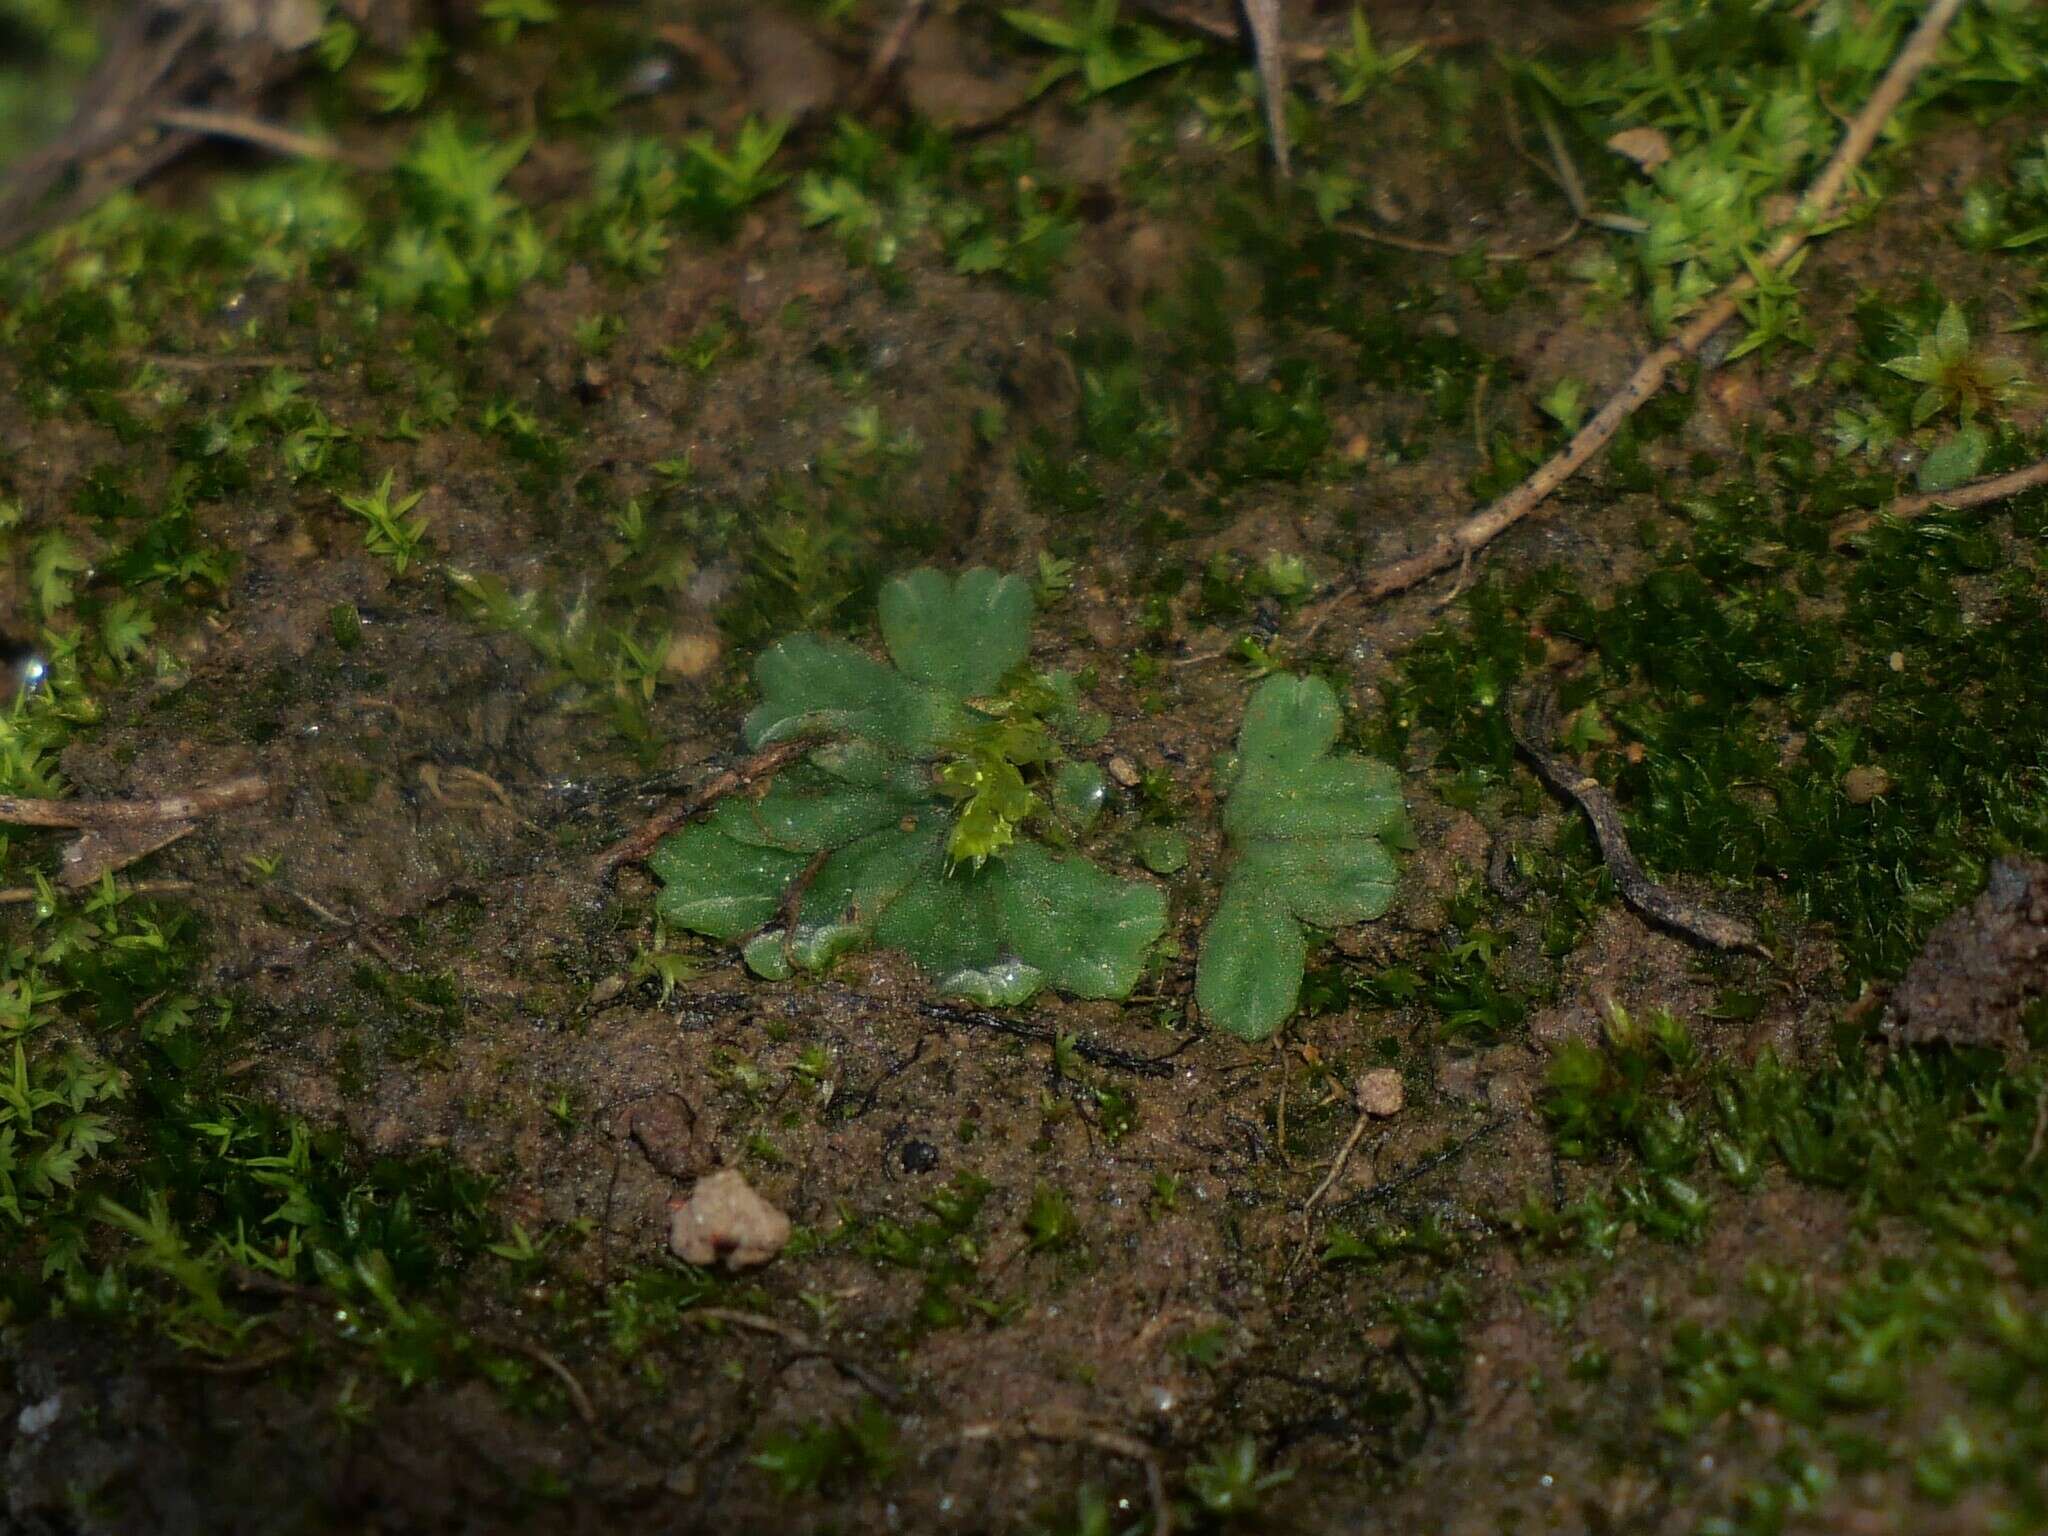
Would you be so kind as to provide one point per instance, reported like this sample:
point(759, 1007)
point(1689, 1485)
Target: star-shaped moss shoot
point(1311, 834)
point(909, 825)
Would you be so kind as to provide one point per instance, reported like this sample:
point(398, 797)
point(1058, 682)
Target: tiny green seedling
point(905, 826)
point(1312, 834)
point(1099, 46)
point(390, 533)
point(405, 83)
point(1230, 1485)
point(508, 16)
point(1363, 67)
point(1956, 375)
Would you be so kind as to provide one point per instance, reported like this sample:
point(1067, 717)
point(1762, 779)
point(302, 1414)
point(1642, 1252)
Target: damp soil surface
point(371, 1230)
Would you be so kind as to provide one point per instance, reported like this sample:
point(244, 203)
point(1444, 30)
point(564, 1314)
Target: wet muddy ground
point(410, 1093)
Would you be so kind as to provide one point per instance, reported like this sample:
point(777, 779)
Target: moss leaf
point(1079, 793)
point(945, 920)
point(806, 811)
point(1956, 459)
point(1248, 977)
point(961, 635)
point(1004, 985)
point(713, 884)
point(1311, 833)
point(1083, 927)
point(814, 687)
point(906, 825)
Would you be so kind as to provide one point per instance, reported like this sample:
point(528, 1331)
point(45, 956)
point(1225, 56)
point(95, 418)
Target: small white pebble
point(725, 1222)
point(1380, 1093)
point(37, 1417)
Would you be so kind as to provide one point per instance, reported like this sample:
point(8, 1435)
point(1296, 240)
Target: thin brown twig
point(15, 895)
point(1196, 658)
point(1976, 493)
point(802, 1343)
point(711, 60)
point(183, 362)
point(1442, 248)
point(889, 47)
point(1269, 53)
point(578, 1398)
point(133, 66)
point(1568, 179)
point(1337, 1166)
point(1190, 20)
point(630, 850)
point(244, 129)
point(1819, 203)
point(26, 811)
point(1113, 1441)
point(1532, 721)
point(116, 139)
point(1564, 172)
point(793, 902)
point(348, 930)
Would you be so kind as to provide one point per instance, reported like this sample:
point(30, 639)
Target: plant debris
point(1981, 968)
point(1533, 725)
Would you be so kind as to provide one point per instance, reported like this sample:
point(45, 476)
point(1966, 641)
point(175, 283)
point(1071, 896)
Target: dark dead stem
point(1532, 722)
point(26, 811)
point(1091, 1051)
point(1116, 1442)
point(805, 1346)
point(1386, 1189)
point(1977, 493)
point(633, 849)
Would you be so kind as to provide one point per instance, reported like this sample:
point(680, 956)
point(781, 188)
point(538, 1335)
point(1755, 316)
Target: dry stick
point(1533, 724)
point(1337, 1167)
point(802, 1343)
point(1820, 201)
point(632, 849)
point(1565, 172)
point(94, 130)
point(578, 1398)
point(26, 811)
point(14, 895)
point(1976, 493)
point(1113, 1441)
point(348, 930)
point(1225, 32)
point(245, 129)
point(1269, 52)
point(892, 43)
point(711, 60)
point(181, 362)
point(1443, 248)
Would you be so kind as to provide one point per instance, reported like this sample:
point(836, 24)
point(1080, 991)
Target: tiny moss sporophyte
point(907, 826)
